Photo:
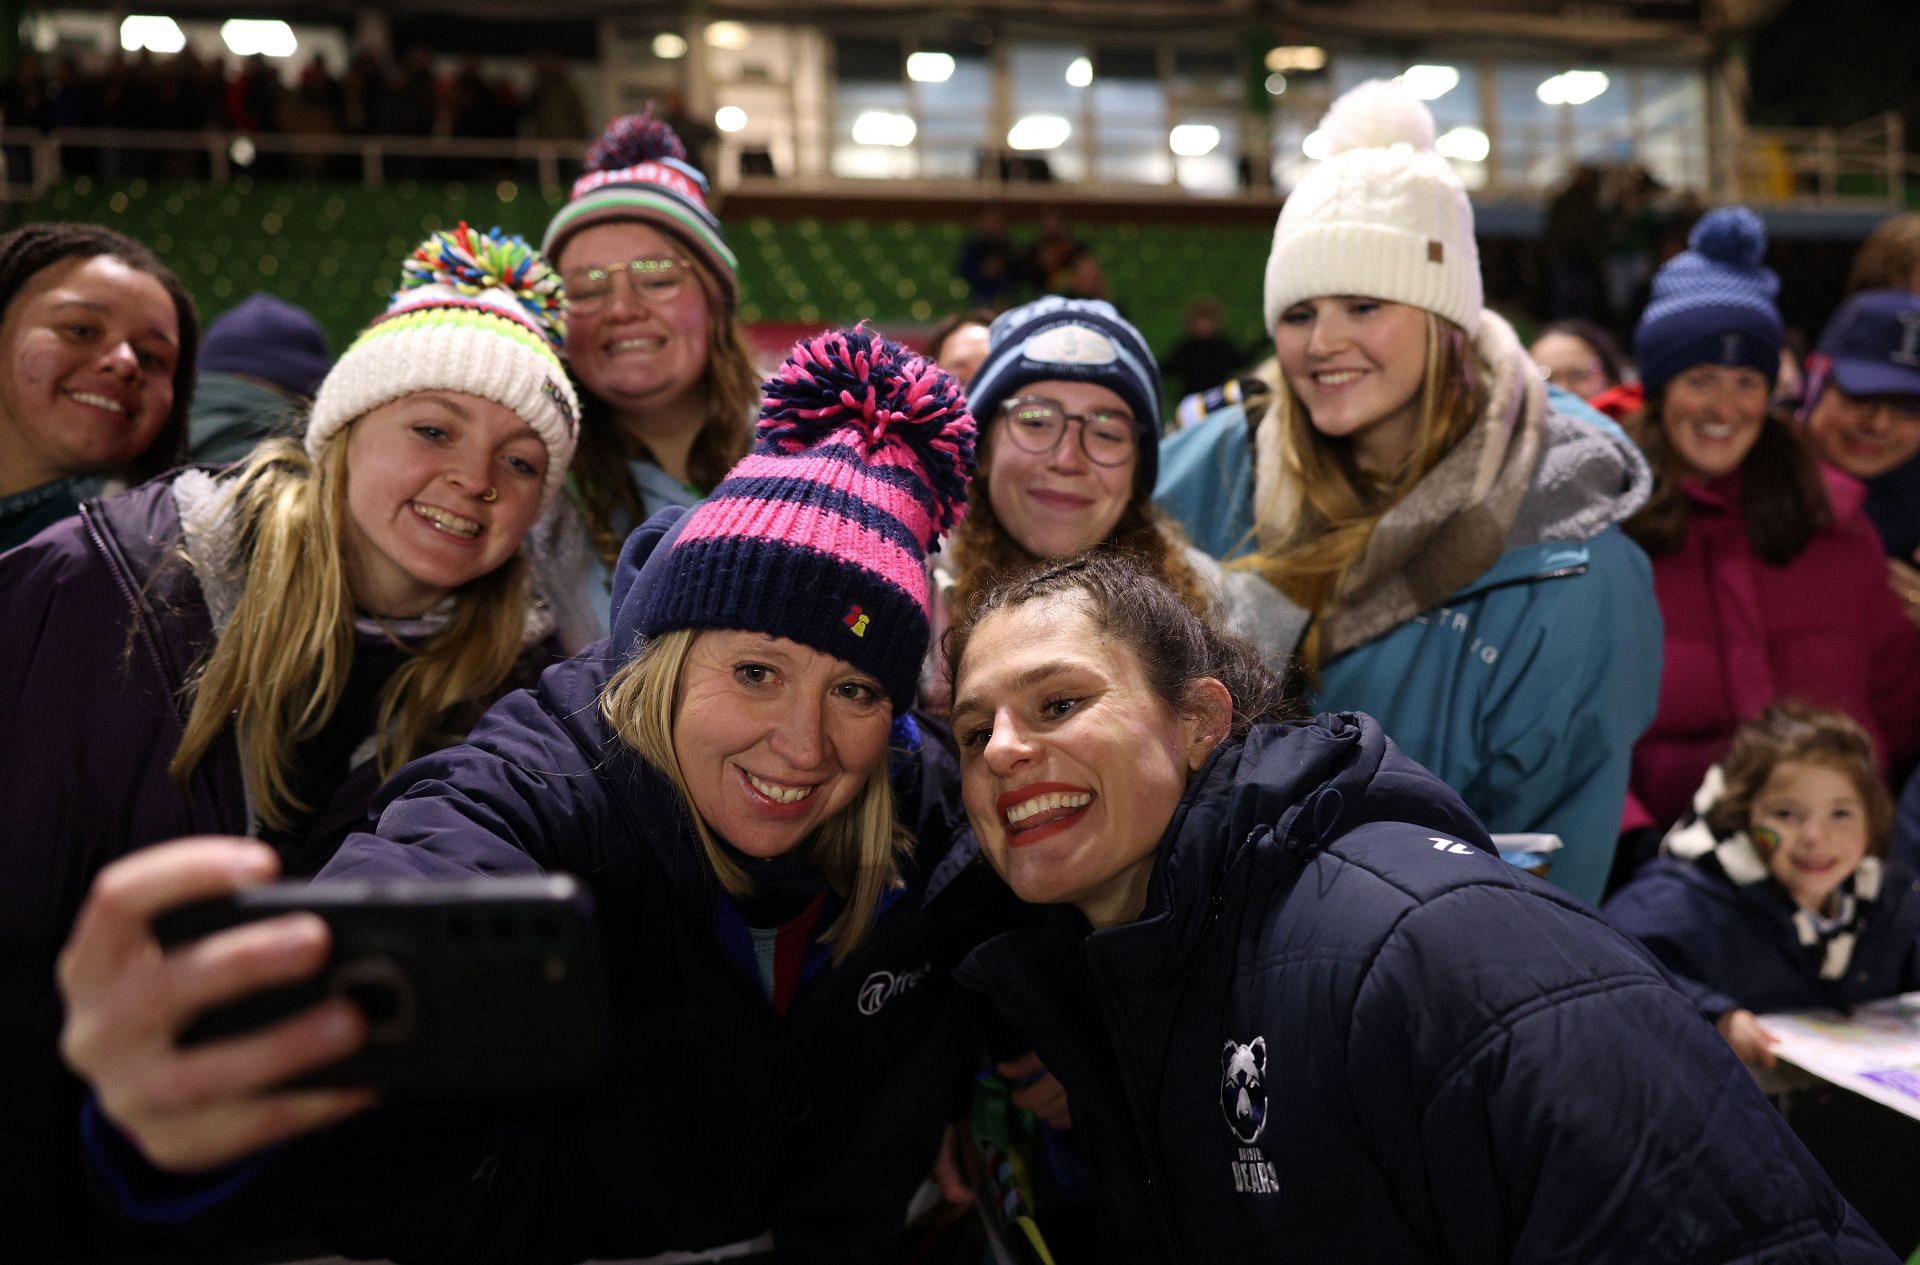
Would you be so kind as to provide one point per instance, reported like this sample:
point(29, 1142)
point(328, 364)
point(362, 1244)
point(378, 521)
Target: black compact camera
point(469, 986)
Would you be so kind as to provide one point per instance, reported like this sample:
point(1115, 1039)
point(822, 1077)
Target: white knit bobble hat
point(1382, 216)
point(477, 313)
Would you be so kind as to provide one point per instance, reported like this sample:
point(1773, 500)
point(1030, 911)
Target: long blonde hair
point(857, 850)
point(279, 667)
point(1314, 526)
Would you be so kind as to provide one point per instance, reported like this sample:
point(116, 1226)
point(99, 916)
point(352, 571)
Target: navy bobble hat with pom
point(821, 534)
point(638, 170)
point(1712, 304)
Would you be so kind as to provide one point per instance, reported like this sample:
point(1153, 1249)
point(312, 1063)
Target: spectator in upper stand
point(656, 347)
point(1052, 252)
point(1578, 356)
point(261, 361)
point(1443, 525)
point(554, 110)
point(989, 262)
point(97, 355)
point(1204, 357)
point(1571, 242)
point(959, 343)
point(1890, 257)
point(1771, 581)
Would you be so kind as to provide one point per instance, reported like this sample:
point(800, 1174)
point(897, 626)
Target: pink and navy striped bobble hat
point(638, 170)
point(821, 534)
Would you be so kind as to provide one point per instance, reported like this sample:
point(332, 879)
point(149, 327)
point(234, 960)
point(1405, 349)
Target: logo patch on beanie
point(1730, 348)
point(856, 620)
point(1908, 353)
point(1070, 345)
point(1436, 251)
point(551, 389)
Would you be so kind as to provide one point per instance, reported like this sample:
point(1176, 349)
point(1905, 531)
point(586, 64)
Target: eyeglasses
point(654, 281)
point(1036, 423)
point(1901, 410)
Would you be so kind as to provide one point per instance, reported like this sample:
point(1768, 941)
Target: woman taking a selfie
point(1444, 529)
point(250, 651)
point(772, 848)
point(1299, 1006)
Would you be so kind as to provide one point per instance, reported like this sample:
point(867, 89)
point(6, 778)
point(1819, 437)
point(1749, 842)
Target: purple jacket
point(101, 629)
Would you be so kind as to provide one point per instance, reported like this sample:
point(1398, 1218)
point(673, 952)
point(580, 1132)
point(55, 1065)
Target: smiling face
point(1058, 503)
point(1071, 764)
point(1570, 363)
point(773, 738)
point(88, 349)
point(1358, 365)
point(419, 471)
point(1712, 415)
point(637, 355)
point(1865, 435)
point(1819, 818)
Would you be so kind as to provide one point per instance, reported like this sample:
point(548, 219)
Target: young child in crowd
point(1773, 894)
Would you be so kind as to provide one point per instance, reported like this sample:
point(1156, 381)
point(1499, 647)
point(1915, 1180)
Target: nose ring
point(491, 495)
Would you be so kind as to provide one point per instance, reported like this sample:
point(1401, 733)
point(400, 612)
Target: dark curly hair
point(33, 248)
point(1795, 731)
point(1128, 602)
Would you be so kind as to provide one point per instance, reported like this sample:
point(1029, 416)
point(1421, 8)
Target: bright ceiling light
point(1572, 87)
point(1276, 84)
point(929, 67)
point(668, 46)
point(726, 35)
point(246, 37)
point(1192, 140)
point(159, 35)
point(729, 118)
point(1316, 146)
point(1296, 57)
point(1080, 72)
point(879, 127)
point(1465, 144)
point(1039, 131)
point(1430, 83)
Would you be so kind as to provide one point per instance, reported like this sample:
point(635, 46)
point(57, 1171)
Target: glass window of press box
point(1518, 125)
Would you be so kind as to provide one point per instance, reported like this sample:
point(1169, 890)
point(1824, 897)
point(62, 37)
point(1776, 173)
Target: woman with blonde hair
point(775, 852)
point(655, 345)
point(250, 651)
point(1443, 526)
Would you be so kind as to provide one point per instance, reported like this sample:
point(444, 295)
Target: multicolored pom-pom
point(634, 139)
point(855, 379)
point(469, 262)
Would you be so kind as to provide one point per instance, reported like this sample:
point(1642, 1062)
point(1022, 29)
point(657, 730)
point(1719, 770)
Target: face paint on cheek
point(1766, 840)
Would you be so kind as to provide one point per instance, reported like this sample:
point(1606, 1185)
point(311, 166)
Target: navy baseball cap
point(1873, 343)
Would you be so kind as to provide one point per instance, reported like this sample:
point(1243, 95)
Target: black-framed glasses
point(1035, 424)
point(654, 280)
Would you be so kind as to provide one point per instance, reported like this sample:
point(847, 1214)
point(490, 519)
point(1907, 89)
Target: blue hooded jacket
point(1342, 1030)
point(1527, 688)
point(727, 1120)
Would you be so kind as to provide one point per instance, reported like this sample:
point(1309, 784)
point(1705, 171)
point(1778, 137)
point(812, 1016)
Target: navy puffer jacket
point(1344, 1030)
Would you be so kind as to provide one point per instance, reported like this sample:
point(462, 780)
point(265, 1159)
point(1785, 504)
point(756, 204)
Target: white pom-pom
point(1375, 115)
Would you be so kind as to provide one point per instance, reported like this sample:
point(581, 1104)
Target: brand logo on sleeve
point(882, 987)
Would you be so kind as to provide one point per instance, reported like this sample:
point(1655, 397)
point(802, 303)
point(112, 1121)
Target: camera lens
point(380, 987)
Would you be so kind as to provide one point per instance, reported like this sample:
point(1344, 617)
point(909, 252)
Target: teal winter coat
point(1526, 689)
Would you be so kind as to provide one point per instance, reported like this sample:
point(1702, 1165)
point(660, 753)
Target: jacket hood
point(1273, 800)
point(643, 559)
point(1590, 477)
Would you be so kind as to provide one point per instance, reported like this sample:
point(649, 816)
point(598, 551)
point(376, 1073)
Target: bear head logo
point(1243, 1088)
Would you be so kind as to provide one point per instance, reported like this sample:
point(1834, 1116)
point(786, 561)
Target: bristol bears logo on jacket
point(1243, 1088)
